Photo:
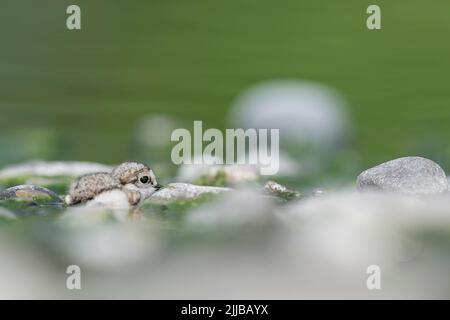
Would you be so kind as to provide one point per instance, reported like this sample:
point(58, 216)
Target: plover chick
point(127, 186)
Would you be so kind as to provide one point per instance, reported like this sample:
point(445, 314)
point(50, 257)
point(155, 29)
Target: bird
point(128, 185)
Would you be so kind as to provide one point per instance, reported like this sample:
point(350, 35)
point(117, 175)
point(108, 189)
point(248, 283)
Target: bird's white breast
point(117, 199)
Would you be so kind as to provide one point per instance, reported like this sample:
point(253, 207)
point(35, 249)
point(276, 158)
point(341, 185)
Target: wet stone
point(275, 189)
point(30, 193)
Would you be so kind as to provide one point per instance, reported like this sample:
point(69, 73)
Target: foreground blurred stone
point(107, 247)
point(243, 208)
point(409, 175)
point(351, 229)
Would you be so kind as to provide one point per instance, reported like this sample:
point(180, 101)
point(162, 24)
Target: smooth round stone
point(409, 175)
point(29, 193)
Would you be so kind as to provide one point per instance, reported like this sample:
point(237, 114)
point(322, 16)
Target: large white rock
point(409, 175)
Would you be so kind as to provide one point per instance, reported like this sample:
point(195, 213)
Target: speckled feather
point(128, 171)
point(87, 187)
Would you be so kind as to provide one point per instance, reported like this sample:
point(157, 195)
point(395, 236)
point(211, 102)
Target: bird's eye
point(145, 179)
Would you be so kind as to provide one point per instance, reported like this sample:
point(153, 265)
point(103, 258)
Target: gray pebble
point(29, 193)
point(409, 175)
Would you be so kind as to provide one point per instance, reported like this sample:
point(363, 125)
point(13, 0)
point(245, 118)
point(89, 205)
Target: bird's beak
point(158, 187)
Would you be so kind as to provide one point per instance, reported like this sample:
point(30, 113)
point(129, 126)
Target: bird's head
point(137, 177)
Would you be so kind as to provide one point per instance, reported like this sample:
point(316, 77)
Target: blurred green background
point(79, 94)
